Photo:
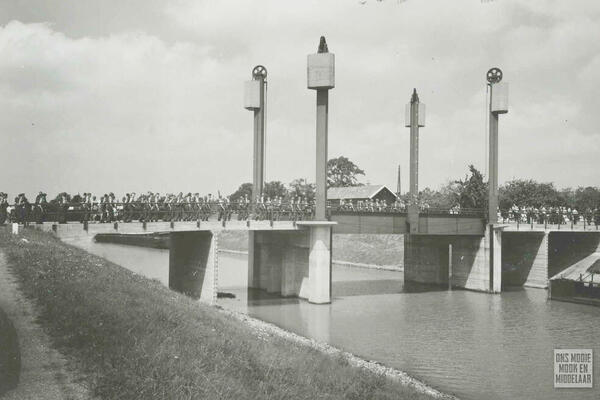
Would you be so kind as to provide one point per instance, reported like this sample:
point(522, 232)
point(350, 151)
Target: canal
point(470, 344)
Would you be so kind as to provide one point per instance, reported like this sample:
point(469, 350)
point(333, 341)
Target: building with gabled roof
point(360, 193)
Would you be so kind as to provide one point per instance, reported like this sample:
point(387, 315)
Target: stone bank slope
point(265, 328)
point(44, 373)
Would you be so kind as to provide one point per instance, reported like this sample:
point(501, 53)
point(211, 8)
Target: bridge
point(290, 252)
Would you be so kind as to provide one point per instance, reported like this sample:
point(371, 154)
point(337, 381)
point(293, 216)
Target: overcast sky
point(147, 95)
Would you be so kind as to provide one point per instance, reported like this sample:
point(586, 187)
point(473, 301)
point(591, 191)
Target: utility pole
point(254, 100)
point(321, 77)
point(415, 118)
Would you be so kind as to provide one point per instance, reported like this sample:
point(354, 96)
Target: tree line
point(468, 192)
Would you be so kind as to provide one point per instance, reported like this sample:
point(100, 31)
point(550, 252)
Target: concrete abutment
point(525, 259)
point(474, 261)
point(495, 260)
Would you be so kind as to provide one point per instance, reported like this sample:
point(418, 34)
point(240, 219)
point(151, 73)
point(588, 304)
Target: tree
point(244, 189)
point(587, 198)
point(342, 172)
point(301, 188)
point(472, 192)
point(436, 198)
point(275, 189)
point(529, 193)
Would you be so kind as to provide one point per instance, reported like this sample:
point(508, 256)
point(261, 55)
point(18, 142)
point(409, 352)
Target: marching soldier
point(40, 208)
point(95, 209)
point(112, 207)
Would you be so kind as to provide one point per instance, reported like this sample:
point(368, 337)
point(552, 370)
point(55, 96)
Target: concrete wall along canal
point(525, 259)
point(427, 260)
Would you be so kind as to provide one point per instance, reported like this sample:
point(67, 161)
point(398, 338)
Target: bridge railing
point(469, 212)
point(197, 211)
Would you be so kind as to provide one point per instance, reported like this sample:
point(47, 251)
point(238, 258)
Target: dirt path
point(44, 373)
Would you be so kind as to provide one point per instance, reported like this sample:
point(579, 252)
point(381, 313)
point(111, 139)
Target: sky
point(121, 96)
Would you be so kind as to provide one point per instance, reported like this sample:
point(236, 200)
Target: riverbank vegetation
point(135, 339)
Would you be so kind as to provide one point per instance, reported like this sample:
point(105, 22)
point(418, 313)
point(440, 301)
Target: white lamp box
point(499, 103)
point(420, 113)
point(252, 95)
point(321, 71)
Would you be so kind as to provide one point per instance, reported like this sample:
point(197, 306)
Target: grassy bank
point(10, 354)
point(135, 339)
point(356, 248)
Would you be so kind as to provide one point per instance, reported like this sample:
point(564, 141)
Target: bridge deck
point(344, 223)
point(79, 229)
point(580, 227)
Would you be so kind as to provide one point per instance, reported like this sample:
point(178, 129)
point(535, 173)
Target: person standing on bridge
point(40, 208)
point(112, 207)
point(95, 209)
point(24, 209)
point(126, 207)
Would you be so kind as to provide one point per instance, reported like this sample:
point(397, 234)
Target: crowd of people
point(558, 215)
point(150, 207)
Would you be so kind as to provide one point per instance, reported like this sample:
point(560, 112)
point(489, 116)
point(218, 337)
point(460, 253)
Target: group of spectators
point(151, 207)
point(148, 207)
point(372, 205)
point(549, 215)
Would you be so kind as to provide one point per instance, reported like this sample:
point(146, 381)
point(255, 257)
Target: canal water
point(470, 344)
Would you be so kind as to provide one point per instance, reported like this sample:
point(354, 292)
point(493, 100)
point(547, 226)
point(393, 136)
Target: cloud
point(158, 106)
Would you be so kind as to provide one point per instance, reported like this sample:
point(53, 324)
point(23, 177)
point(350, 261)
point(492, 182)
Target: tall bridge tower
point(254, 100)
point(415, 119)
point(498, 105)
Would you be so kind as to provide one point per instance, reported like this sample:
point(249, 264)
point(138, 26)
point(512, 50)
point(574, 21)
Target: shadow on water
point(513, 288)
point(258, 297)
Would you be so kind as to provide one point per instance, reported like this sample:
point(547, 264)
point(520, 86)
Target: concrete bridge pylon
point(299, 263)
point(473, 262)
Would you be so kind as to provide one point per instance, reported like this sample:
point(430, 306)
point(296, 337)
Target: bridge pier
point(493, 240)
point(193, 264)
point(319, 262)
point(296, 263)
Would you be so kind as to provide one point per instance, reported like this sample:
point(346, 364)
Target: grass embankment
point(10, 355)
point(356, 248)
point(135, 339)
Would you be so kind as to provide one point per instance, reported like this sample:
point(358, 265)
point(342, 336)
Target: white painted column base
point(496, 244)
point(319, 260)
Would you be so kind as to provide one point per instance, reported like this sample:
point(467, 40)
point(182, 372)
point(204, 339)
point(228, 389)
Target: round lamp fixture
point(494, 75)
point(259, 72)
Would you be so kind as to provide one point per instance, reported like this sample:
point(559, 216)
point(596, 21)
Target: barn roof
point(356, 192)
